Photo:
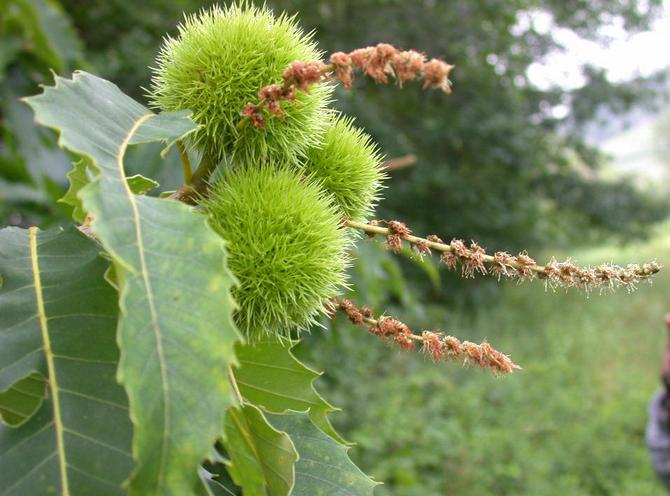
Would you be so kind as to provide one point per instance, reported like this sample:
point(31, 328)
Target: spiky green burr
point(219, 61)
point(350, 167)
point(286, 246)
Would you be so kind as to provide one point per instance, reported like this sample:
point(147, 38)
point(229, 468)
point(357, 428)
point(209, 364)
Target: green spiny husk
point(217, 64)
point(286, 246)
point(350, 166)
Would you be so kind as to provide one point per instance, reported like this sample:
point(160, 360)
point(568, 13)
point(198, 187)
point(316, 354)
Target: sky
point(623, 57)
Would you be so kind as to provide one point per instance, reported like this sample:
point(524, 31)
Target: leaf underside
point(176, 332)
point(58, 320)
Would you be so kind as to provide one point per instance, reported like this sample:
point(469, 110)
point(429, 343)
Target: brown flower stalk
point(436, 345)
point(473, 258)
point(379, 62)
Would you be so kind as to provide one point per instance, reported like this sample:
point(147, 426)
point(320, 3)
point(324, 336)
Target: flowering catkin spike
point(378, 62)
point(473, 258)
point(436, 345)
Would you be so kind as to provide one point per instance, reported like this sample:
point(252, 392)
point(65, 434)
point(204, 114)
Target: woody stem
point(185, 162)
point(190, 191)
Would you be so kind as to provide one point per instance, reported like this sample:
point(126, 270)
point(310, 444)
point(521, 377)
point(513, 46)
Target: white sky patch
point(623, 56)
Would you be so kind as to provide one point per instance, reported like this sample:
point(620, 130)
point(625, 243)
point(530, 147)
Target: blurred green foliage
point(36, 37)
point(662, 132)
point(571, 422)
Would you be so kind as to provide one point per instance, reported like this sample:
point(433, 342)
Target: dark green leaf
point(58, 318)
point(22, 400)
point(271, 377)
point(324, 468)
point(139, 184)
point(175, 330)
point(262, 458)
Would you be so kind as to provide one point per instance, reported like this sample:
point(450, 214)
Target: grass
point(571, 422)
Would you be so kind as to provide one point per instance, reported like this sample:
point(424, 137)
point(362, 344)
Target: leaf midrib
point(279, 395)
point(248, 436)
point(150, 298)
point(53, 383)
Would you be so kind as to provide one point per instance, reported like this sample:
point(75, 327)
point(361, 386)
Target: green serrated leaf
point(140, 185)
point(58, 318)
point(78, 178)
point(176, 331)
point(324, 468)
point(262, 458)
point(22, 400)
point(271, 377)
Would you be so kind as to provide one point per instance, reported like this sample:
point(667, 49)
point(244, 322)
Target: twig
point(189, 193)
point(185, 162)
point(399, 162)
